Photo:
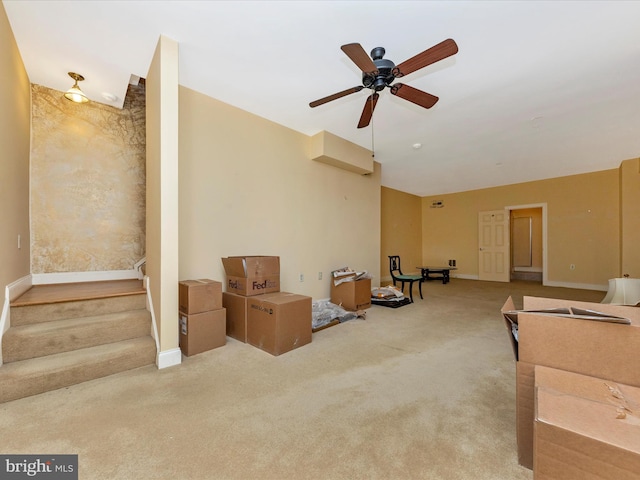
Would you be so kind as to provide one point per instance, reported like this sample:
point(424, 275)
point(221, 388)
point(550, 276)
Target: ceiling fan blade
point(434, 54)
point(358, 56)
point(335, 96)
point(414, 95)
point(367, 111)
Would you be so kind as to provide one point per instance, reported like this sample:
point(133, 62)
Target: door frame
point(545, 270)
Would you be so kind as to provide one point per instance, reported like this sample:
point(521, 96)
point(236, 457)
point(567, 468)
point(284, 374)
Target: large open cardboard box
point(252, 275)
point(589, 347)
point(585, 427)
point(352, 295)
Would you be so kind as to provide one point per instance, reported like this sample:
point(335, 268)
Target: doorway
point(528, 237)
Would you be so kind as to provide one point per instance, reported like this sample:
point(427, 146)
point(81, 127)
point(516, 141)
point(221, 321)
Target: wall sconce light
point(74, 93)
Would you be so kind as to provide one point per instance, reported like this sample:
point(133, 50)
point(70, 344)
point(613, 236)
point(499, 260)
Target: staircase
point(62, 335)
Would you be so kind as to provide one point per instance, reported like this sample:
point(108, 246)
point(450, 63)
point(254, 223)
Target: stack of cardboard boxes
point(260, 314)
point(202, 320)
point(577, 395)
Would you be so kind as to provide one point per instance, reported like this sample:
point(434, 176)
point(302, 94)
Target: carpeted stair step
point(49, 312)
point(39, 375)
point(50, 338)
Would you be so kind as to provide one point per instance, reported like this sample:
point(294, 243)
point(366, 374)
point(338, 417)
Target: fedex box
point(279, 323)
point(352, 295)
point(585, 427)
point(197, 296)
point(593, 347)
point(202, 331)
point(250, 276)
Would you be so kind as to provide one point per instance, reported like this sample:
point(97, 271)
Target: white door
point(493, 237)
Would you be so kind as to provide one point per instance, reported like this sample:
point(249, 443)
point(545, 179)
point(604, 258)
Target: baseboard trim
point(20, 286)
point(169, 358)
point(77, 277)
point(389, 281)
point(11, 292)
point(579, 286)
point(464, 276)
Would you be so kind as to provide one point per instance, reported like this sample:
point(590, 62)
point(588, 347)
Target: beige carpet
point(425, 391)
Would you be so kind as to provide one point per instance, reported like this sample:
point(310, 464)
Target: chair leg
point(411, 290)
point(420, 287)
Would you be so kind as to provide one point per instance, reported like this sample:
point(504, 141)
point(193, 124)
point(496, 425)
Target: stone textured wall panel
point(87, 183)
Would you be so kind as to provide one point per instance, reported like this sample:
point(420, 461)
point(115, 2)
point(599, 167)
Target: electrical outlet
point(319, 275)
point(302, 277)
point(19, 246)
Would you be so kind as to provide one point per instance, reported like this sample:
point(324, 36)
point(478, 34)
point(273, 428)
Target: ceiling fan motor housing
point(385, 68)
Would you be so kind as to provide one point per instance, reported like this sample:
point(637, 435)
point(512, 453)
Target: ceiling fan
point(378, 73)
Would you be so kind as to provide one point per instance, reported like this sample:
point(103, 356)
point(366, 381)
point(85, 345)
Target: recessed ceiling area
point(537, 89)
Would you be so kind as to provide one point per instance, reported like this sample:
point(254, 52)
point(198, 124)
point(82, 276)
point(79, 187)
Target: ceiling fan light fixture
point(75, 94)
point(379, 73)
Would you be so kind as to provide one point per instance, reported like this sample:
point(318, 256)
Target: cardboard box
point(590, 347)
point(250, 276)
point(202, 331)
point(525, 404)
point(352, 295)
point(585, 427)
point(236, 306)
point(279, 323)
point(197, 296)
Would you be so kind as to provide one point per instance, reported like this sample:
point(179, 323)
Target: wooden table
point(439, 272)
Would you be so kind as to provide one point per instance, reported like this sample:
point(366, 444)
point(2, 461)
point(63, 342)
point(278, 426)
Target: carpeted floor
point(425, 391)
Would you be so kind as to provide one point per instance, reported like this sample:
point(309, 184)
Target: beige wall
point(248, 188)
point(583, 226)
point(400, 215)
point(87, 183)
point(630, 217)
point(15, 118)
point(162, 192)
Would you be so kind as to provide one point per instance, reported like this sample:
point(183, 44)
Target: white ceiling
point(538, 89)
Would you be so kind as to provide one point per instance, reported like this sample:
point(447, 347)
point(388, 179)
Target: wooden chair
point(397, 275)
